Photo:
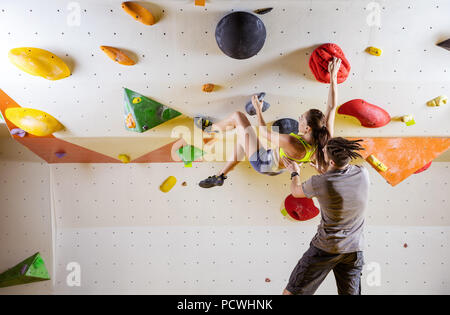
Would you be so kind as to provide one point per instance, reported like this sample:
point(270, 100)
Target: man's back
point(342, 195)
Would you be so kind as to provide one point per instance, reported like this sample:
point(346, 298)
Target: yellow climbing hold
point(408, 120)
point(374, 51)
point(376, 163)
point(438, 101)
point(33, 121)
point(124, 158)
point(39, 62)
point(136, 100)
point(168, 184)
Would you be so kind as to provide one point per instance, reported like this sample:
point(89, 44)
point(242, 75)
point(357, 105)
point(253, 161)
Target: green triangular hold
point(189, 154)
point(31, 269)
point(143, 113)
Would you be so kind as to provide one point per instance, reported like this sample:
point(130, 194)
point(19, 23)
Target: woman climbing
point(315, 129)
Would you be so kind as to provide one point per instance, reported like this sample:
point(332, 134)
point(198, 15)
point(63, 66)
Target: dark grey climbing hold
point(445, 44)
point(263, 11)
point(249, 106)
point(240, 35)
point(286, 126)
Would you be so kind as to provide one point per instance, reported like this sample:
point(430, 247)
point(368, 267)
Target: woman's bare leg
point(247, 140)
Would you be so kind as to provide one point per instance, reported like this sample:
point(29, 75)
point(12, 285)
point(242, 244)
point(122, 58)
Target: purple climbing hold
point(18, 132)
point(60, 154)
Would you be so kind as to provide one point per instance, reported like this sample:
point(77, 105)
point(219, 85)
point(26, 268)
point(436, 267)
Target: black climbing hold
point(251, 110)
point(240, 35)
point(286, 125)
point(445, 44)
point(263, 11)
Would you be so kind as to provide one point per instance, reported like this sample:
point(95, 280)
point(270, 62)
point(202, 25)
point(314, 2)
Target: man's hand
point(291, 165)
point(318, 168)
point(333, 68)
point(256, 103)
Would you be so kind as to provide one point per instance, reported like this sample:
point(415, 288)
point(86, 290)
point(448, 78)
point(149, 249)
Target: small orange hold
point(405, 245)
point(183, 184)
point(117, 55)
point(130, 121)
point(200, 2)
point(209, 87)
point(138, 12)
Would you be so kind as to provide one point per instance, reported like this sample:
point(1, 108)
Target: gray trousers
point(315, 265)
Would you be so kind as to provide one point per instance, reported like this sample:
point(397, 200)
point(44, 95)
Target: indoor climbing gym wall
point(99, 188)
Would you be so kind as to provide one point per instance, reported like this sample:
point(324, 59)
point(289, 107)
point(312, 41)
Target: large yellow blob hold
point(33, 121)
point(39, 62)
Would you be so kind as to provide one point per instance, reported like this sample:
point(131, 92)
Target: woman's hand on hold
point(333, 68)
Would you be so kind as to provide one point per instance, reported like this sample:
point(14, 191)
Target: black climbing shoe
point(203, 123)
point(212, 181)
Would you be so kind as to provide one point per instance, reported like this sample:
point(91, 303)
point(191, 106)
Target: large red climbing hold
point(369, 115)
point(321, 57)
point(300, 209)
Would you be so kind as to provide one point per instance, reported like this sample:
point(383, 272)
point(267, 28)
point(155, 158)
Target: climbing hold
point(137, 100)
point(424, 168)
point(19, 132)
point(208, 87)
point(438, 101)
point(320, 58)
point(183, 184)
point(240, 35)
point(145, 114)
point(408, 120)
point(30, 270)
point(168, 184)
point(124, 158)
point(60, 154)
point(189, 154)
point(33, 121)
point(374, 51)
point(263, 11)
point(405, 245)
point(369, 115)
point(300, 209)
point(376, 163)
point(200, 2)
point(138, 12)
point(285, 126)
point(267, 280)
point(39, 62)
point(117, 55)
point(249, 106)
point(445, 44)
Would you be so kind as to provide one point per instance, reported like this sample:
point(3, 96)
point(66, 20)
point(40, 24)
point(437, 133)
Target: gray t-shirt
point(343, 197)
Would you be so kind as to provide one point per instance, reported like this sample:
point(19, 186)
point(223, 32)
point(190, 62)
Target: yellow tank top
point(310, 150)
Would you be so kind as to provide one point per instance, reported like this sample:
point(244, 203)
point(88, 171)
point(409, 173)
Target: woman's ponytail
point(320, 134)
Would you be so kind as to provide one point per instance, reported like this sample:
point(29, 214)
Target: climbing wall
point(177, 55)
point(126, 235)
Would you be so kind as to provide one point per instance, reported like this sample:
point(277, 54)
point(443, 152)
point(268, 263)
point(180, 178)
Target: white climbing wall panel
point(179, 54)
point(128, 237)
point(25, 213)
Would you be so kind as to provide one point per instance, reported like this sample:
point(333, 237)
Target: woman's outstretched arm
point(333, 68)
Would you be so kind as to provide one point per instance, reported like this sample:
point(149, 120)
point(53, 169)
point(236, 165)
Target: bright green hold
point(1, 118)
point(143, 113)
point(31, 269)
point(189, 154)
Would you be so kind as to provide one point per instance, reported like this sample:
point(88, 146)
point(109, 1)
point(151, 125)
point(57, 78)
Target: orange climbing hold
point(138, 12)
point(200, 2)
point(208, 87)
point(403, 156)
point(117, 55)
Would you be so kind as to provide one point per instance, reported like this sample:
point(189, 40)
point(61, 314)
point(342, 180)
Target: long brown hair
point(315, 119)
